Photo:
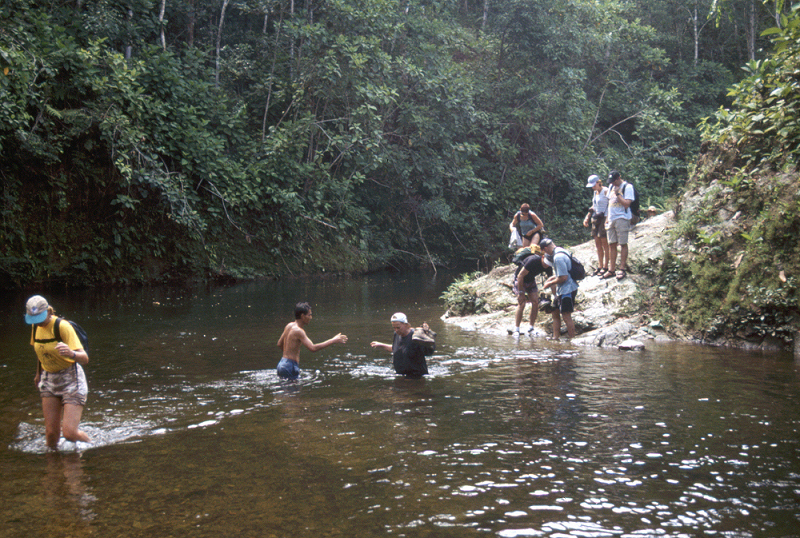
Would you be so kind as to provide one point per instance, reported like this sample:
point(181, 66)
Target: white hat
point(399, 317)
point(592, 181)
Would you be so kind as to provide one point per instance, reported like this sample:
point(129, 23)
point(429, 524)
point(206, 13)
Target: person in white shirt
point(596, 218)
point(620, 198)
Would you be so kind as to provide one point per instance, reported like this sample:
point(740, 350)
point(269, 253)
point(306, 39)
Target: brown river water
point(194, 435)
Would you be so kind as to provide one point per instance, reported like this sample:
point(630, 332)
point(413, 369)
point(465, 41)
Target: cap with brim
point(547, 261)
point(36, 310)
point(592, 181)
point(546, 242)
point(399, 317)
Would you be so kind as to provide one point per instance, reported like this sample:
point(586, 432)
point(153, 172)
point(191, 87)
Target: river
point(194, 435)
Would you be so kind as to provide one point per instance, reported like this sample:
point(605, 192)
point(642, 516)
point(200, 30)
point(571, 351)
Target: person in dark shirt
point(409, 347)
point(525, 289)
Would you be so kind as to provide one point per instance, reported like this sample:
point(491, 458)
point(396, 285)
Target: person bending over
point(59, 372)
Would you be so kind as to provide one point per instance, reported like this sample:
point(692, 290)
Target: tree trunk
point(751, 30)
point(291, 44)
point(271, 73)
point(219, 39)
point(696, 34)
point(161, 23)
point(191, 23)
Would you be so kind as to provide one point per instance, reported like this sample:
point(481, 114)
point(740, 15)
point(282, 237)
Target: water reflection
point(195, 435)
point(64, 485)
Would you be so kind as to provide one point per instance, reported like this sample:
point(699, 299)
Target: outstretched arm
point(338, 339)
point(385, 347)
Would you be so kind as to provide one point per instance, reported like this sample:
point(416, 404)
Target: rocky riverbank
point(609, 312)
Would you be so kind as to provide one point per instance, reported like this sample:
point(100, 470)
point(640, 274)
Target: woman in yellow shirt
point(59, 374)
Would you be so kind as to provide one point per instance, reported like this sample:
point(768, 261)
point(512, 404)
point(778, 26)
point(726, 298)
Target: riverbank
point(609, 312)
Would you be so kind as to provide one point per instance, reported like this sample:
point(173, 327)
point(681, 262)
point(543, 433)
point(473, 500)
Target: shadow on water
point(194, 435)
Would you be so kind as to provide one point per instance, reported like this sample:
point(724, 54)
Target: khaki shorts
point(618, 231)
point(69, 385)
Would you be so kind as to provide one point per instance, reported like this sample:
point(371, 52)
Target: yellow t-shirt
point(51, 360)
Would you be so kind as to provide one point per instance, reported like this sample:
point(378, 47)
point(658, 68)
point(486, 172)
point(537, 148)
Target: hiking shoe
point(514, 330)
point(530, 329)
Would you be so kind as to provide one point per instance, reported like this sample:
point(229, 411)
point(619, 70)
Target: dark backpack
point(634, 207)
point(576, 270)
point(521, 254)
point(82, 336)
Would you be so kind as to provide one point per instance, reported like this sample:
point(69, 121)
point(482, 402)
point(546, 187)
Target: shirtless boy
point(293, 336)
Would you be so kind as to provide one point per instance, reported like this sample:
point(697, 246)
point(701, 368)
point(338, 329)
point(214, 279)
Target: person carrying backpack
point(529, 265)
point(618, 224)
point(528, 225)
point(59, 372)
point(564, 287)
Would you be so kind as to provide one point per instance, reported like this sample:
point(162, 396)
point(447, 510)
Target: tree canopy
point(153, 139)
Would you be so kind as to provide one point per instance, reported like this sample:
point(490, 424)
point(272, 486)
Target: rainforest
point(159, 140)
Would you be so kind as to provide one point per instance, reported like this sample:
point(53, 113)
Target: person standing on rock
point(596, 217)
point(620, 198)
point(524, 287)
point(528, 224)
point(566, 289)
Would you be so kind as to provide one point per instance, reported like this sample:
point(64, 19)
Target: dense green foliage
point(742, 278)
point(261, 137)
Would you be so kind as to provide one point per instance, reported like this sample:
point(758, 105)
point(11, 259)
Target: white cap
point(592, 181)
point(399, 317)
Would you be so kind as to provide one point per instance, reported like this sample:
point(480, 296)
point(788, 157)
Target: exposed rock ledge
point(608, 312)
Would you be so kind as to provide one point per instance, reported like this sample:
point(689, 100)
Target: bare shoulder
point(288, 332)
point(295, 328)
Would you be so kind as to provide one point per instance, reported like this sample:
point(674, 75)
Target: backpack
point(426, 338)
point(576, 270)
point(634, 207)
point(521, 254)
point(79, 331)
